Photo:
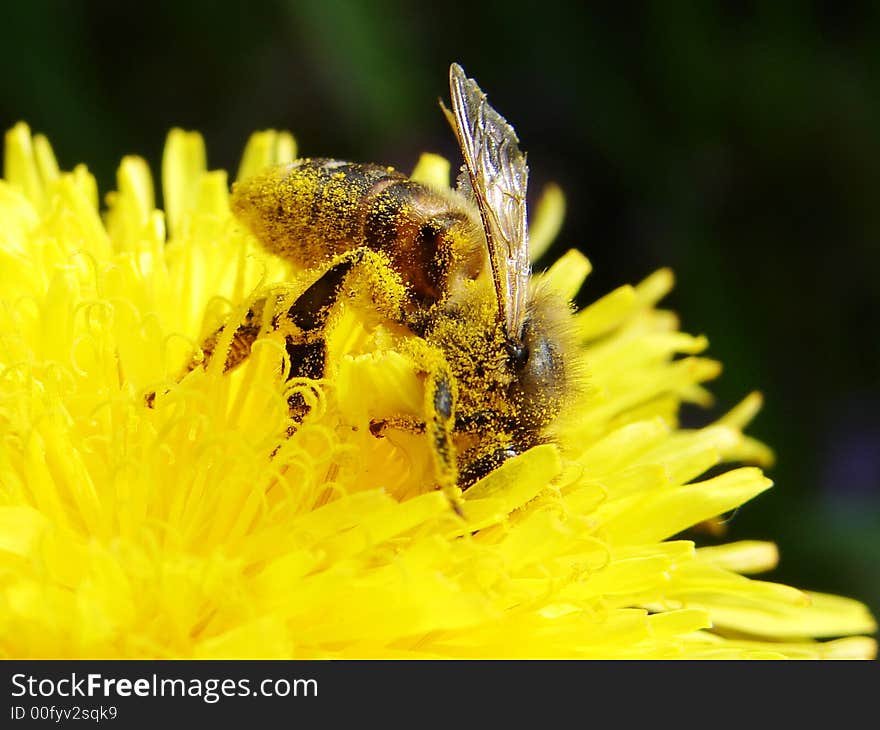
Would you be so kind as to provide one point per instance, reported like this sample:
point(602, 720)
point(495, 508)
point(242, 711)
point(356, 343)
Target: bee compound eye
point(518, 352)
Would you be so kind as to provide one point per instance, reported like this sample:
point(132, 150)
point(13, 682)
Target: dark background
point(738, 143)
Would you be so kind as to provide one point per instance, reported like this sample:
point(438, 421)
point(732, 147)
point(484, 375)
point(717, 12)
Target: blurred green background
point(738, 143)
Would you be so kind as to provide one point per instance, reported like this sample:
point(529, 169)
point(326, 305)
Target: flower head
point(147, 511)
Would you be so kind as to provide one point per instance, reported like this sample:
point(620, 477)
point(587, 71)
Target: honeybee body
point(311, 211)
point(450, 268)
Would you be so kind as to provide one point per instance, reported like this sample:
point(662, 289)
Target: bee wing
point(497, 176)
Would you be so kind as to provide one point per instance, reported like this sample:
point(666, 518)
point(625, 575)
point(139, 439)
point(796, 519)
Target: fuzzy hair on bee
point(450, 269)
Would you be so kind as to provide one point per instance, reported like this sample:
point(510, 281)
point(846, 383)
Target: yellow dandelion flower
point(197, 528)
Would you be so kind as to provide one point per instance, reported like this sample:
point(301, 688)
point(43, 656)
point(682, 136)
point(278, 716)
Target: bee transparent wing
point(497, 178)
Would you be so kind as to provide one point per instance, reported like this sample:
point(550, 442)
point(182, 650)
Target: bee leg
point(440, 399)
point(440, 406)
point(242, 340)
point(239, 348)
point(306, 350)
point(400, 423)
point(306, 320)
point(306, 347)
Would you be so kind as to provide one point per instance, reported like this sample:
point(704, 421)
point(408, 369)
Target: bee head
point(541, 363)
point(536, 357)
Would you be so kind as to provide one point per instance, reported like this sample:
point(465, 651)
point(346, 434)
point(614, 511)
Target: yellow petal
point(546, 220)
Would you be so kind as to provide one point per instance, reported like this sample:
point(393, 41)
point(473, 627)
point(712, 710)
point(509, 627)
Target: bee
point(452, 270)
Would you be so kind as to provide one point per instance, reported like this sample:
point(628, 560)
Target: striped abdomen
point(312, 210)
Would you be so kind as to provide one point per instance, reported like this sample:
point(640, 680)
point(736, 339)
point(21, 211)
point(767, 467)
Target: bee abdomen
point(315, 209)
point(309, 210)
